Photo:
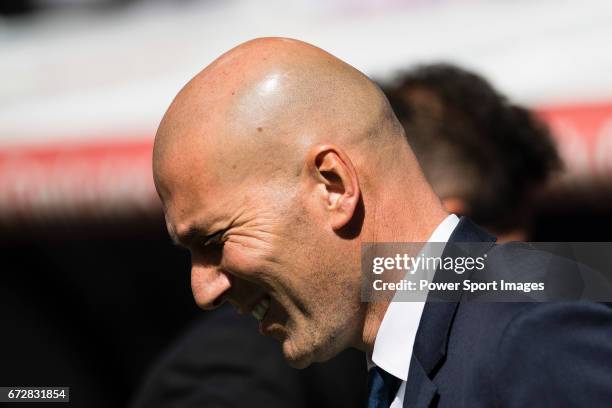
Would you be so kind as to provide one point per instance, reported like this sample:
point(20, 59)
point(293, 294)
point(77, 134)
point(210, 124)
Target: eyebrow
point(185, 240)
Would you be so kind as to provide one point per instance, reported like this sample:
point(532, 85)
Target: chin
point(296, 359)
point(302, 354)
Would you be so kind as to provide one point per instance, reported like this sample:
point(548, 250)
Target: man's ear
point(333, 172)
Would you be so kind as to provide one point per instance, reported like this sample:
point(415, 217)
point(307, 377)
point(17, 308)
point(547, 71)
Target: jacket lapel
point(420, 390)
point(432, 336)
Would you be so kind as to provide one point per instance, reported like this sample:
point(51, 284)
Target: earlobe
point(337, 177)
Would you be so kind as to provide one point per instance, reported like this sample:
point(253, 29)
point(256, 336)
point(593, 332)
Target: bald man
point(274, 164)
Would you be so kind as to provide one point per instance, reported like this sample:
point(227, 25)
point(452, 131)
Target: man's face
point(264, 246)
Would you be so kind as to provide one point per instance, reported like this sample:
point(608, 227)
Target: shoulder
point(556, 351)
point(559, 325)
point(547, 354)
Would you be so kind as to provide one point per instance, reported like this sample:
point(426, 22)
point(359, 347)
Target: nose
point(209, 285)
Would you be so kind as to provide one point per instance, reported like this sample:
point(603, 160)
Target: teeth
point(260, 310)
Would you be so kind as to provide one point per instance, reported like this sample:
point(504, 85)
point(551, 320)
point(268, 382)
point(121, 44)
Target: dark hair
point(472, 143)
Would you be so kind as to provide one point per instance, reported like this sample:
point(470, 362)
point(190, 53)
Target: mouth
point(270, 315)
point(261, 308)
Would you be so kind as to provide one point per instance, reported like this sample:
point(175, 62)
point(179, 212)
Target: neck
point(374, 314)
point(400, 212)
point(403, 212)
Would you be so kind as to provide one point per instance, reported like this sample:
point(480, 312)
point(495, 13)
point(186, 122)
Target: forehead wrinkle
point(188, 231)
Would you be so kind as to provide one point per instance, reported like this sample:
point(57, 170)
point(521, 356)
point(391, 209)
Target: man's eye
point(216, 239)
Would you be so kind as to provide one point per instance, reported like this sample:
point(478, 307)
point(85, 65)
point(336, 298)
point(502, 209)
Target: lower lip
point(268, 326)
point(271, 330)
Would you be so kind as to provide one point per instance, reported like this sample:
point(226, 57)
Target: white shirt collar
point(397, 332)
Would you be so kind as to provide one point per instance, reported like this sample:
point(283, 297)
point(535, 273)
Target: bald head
point(263, 104)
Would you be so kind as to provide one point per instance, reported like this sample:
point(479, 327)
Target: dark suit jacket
point(552, 354)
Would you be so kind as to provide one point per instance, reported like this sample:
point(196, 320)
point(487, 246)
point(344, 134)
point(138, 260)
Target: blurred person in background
point(485, 157)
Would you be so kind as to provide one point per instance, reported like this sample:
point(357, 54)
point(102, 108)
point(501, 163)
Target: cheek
point(249, 260)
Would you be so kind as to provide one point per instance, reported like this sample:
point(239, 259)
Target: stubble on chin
point(295, 357)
